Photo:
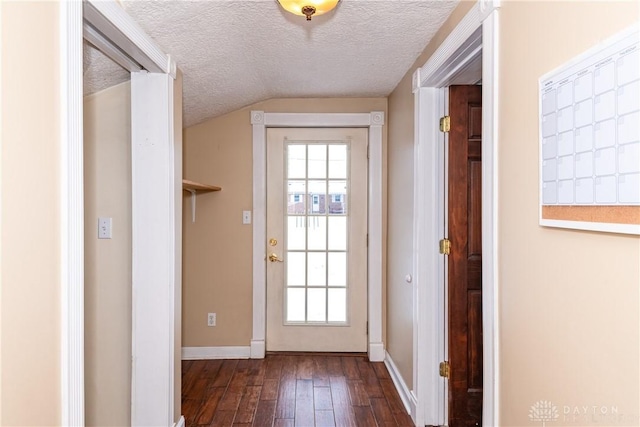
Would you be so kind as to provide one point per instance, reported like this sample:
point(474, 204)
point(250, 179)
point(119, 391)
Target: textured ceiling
point(235, 53)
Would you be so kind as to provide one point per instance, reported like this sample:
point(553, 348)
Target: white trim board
point(71, 216)
point(408, 400)
point(374, 122)
point(154, 257)
point(478, 29)
point(206, 353)
point(124, 35)
point(428, 327)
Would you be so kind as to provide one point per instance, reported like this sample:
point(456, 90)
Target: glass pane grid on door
point(316, 233)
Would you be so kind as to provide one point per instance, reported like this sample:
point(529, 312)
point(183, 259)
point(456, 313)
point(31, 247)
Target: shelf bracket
point(193, 204)
point(193, 188)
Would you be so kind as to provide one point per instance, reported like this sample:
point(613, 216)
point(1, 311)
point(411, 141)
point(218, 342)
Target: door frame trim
point(374, 121)
point(477, 33)
point(72, 401)
point(121, 31)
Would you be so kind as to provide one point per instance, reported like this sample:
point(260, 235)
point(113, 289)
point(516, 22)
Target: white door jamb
point(477, 33)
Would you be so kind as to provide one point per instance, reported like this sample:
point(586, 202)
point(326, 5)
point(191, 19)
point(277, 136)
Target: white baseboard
point(405, 395)
point(200, 353)
point(258, 349)
point(180, 423)
point(376, 352)
point(414, 406)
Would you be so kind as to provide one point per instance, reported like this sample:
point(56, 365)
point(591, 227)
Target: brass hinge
point(445, 246)
point(445, 370)
point(367, 327)
point(445, 124)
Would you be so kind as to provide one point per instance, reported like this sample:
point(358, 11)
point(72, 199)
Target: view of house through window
point(316, 232)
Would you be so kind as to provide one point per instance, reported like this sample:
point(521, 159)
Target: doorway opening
point(471, 47)
point(373, 123)
point(155, 114)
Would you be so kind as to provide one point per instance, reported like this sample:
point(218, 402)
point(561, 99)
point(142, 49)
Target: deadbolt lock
point(272, 242)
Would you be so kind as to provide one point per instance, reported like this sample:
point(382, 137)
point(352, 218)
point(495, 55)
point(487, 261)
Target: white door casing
point(154, 96)
point(476, 34)
point(156, 224)
point(71, 216)
point(320, 273)
point(373, 122)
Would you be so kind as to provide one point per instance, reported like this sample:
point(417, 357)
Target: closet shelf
point(196, 186)
point(193, 188)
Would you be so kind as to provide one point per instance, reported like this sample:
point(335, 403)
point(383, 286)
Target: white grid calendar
point(590, 127)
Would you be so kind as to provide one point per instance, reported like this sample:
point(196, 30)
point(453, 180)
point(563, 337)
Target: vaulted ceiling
point(234, 53)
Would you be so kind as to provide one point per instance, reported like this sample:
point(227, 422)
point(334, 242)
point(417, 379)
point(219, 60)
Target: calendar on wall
point(590, 139)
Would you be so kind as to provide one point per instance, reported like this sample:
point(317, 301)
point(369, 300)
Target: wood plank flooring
point(286, 390)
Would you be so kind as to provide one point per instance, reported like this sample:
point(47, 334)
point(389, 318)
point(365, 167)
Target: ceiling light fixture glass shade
point(308, 8)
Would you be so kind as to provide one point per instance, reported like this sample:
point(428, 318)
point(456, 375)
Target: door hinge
point(367, 327)
point(367, 239)
point(445, 246)
point(445, 124)
point(445, 370)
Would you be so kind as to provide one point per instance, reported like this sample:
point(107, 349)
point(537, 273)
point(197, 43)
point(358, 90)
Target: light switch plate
point(246, 217)
point(104, 228)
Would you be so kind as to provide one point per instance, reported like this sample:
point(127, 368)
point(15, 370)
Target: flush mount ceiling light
point(308, 8)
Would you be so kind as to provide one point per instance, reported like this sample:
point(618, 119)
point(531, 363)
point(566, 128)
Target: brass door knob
point(274, 258)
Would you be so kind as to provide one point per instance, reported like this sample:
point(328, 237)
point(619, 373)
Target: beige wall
point(30, 215)
point(569, 324)
point(400, 212)
point(217, 258)
point(177, 338)
point(107, 180)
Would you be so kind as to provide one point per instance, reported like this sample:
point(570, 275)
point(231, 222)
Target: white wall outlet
point(211, 319)
point(246, 217)
point(104, 228)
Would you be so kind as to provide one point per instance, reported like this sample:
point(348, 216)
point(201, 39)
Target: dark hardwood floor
point(303, 390)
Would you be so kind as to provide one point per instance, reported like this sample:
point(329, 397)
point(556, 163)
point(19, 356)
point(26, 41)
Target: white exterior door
point(317, 240)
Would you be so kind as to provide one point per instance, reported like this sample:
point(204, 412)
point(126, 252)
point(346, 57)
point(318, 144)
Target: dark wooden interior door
point(465, 259)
